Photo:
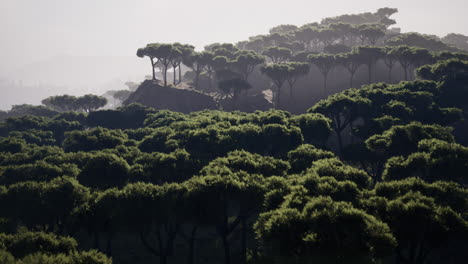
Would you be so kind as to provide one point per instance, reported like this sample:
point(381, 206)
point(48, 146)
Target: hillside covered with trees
point(343, 141)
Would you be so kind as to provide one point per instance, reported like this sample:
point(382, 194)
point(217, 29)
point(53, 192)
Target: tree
point(344, 30)
point(342, 109)
point(246, 61)
point(404, 139)
point(278, 73)
point(297, 70)
point(90, 102)
point(458, 40)
point(371, 33)
point(303, 156)
point(421, 226)
point(104, 171)
point(150, 51)
point(389, 59)
point(60, 102)
point(351, 62)
point(283, 29)
point(370, 56)
point(325, 63)
point(206, 59)
point(277, 54)
point(309, 36)
point(327, 36)
point(435, 160)
point(321, 232)
point(195, 62)
point(234, 87)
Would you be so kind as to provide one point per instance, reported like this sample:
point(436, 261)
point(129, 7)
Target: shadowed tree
point(297, 70)
point(342, 109)
point(195, 62)
point(246, 61)
point(278, 73)
point(371, 33)
point(370, 56)
point(309, 36)
point(150, 51)
point(206, 60)
point(325, 63)
point(351, 62)
point(234, 87)
point(389, 59)
point(277, 54)
point(90, 102)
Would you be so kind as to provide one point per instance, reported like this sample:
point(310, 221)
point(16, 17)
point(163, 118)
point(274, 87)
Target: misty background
point(51, 47)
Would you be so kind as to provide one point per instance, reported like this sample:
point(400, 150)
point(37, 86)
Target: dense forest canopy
point(342, 141)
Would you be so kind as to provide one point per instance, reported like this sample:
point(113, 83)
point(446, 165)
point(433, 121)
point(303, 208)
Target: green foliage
point(243, 161)
point(335, 168)
point(435, 160)
point(37, 171)
point(403, 140)
point(93, 139)
point(324, 231)
point(303, 156)
point(104, 171)
point(27, 243)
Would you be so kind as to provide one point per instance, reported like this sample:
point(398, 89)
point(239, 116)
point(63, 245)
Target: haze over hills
point(68, 74)
point(98, 51)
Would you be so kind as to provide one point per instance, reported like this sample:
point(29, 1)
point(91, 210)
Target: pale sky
point(42, 28)
point(49, 47)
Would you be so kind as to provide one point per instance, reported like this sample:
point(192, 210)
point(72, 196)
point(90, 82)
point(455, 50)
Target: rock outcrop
point(152, 94)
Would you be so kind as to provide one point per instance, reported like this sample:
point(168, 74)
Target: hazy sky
point(38, 29)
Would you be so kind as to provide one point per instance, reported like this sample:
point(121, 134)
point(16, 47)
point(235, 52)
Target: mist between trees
point(345, 165)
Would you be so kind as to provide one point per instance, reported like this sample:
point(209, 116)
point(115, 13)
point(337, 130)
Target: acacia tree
point(325, 63)
point(279, 74)
point(277, 54)
point(351, 62)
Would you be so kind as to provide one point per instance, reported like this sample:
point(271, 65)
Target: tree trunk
point(291, 94)
point(405, 69)
point(351, 80)
point(389, 75)
point(180, 74)
point(109, 245)
point(227, 251)
point(175, 74)
point(369, 66)
point(152, 68)
point(244, 240)
point(191, 253)
point(278, 95)
point(325, 77)
point(209, 81)
point(165, 76)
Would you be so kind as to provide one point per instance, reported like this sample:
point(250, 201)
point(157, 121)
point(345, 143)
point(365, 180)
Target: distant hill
point(76, 75)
